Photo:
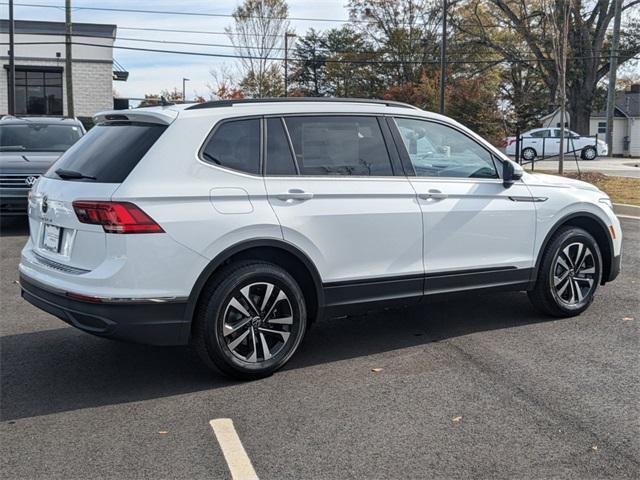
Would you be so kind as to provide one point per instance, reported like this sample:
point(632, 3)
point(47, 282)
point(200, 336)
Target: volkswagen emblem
point(30, 180)
point(45, 205)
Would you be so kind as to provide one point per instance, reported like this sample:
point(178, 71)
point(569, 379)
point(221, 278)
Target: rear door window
point(109, 151)
point(339, 145)
point(235, 145)
point(279, 157)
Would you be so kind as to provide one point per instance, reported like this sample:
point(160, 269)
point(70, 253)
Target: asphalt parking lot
point(472, 387)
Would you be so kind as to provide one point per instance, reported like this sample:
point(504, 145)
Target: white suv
point(233, 225)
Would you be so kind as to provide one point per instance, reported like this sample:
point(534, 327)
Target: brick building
point(40, 63)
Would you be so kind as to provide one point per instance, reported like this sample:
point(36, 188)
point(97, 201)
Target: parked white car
point(545, 142)
point(233, 225)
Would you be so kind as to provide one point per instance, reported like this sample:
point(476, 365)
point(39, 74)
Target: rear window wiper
point(72, 174)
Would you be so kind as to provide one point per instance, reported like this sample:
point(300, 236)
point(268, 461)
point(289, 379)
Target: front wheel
point(589, 153)
point(569, 273)
point(250, 321)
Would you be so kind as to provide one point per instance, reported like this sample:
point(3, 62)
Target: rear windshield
point(109, 152)
point(38, 137)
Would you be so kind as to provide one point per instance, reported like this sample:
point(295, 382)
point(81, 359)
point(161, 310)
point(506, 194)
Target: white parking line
point(232, 449)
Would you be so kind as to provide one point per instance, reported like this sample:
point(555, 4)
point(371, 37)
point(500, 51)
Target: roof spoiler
point(160, 117)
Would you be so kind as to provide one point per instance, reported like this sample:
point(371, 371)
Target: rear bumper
point(148, 322)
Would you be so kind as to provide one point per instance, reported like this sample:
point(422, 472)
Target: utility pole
point(12, 63)
point(613, 67)
point(68, 59)
point(566, 7)
point(184, 91)
point(286, 62)
point(443, 53)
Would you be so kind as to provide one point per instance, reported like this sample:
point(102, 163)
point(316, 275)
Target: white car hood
point(555, 180)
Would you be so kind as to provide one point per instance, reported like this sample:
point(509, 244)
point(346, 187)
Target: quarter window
point(339, 145)
point(235, 145)
point(437, 150)
point(279, 158)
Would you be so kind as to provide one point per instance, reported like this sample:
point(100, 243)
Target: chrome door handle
point(295, 194)
point(433, 196)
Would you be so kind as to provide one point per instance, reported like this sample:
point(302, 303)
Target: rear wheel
point(251, 320)
point(589, 153)
point(569, 274)
point(529, 154)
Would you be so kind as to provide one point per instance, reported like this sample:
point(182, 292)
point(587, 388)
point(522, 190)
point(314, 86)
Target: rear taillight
point(116, 217)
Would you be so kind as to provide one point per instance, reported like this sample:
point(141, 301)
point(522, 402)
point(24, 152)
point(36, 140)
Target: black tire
point(552, 295)
point(218, 311)
point(529, 154)
point(589, 153)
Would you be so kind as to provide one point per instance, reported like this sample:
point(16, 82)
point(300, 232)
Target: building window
point(38, 91)
point(602, 127)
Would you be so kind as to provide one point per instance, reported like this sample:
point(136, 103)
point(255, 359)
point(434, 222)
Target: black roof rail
point(230, 103)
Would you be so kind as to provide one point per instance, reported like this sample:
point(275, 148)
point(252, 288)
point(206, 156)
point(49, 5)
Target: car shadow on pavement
point(64, 369)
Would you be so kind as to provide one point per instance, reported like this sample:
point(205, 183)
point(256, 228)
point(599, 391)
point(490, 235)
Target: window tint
point(109, 152)
point(279, 158)
point(440, 151)
point(37, 137)
point(235, 145)
point(339, 145)
point(541, 133)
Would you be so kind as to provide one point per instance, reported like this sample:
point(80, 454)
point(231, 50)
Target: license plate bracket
point(51, 238)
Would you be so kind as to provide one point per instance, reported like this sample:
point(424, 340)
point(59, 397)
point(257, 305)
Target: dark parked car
point(28, 147)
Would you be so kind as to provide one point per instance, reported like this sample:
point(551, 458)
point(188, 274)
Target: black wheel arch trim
point(609, 268)
point(226, 254)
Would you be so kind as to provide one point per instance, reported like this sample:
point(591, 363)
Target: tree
point(403, 31)
point(309, 66)
point(587, 59)
point(351, 69)
point(224, 84)
point(257, 34)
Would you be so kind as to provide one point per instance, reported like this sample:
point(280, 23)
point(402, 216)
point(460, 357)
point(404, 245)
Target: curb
point(627, 210)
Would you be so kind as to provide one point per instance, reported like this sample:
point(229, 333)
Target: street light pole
point(286, 62)
point(184, 91)
point(12, 63)
point(443, 54)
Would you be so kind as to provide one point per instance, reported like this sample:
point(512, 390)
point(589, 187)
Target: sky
point(152, 72)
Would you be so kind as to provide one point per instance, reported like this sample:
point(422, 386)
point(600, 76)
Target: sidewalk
point(622, 167)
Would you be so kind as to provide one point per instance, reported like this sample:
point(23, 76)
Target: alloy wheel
point(574, 274)
point(258, 322)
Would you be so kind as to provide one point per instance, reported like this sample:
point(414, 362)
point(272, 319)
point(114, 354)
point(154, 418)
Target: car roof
point(19, 120)
point(166, 114)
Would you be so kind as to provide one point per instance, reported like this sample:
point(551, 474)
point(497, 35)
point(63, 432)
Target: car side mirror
point(510, 173)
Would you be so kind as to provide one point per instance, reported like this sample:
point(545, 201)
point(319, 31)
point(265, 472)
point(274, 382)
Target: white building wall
point(634, 137)
point(92, 86)
point(92, 70)
point(619, 132)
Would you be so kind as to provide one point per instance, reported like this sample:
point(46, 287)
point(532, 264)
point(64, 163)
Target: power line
point(328, 60)
point(321, 51)
point(204, 32)
point(190, 14)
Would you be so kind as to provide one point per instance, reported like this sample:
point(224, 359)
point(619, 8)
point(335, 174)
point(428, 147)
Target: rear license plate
point(51, 240)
